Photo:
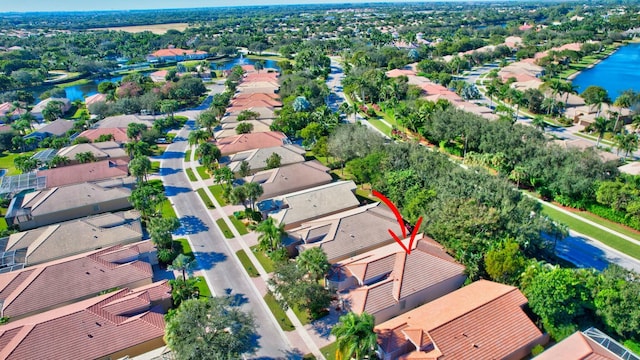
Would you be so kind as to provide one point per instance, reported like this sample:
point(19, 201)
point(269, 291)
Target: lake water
point(79, 92)
point(616, 73)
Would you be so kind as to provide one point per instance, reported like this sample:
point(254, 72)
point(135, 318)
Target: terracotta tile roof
point(257, 96)
point(119, 134)
point(349, 233)
point(290, 178)
point(95, 98)
point(177, 52)
point(88, 329)
point(483, 320)
point(69, 279)
point(388, 275)
point(251, 141)
point(80, 173)
point(577, 347)
point(251, 103)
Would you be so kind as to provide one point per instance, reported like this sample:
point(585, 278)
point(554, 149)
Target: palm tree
point(209, 119)
point(491, 91)
point(601, 125)
point(254, 191)
point(85, 157)
point(239, 195)
point(169, 107)
point(270, 236)
point(139, 167)
point(182, 263)
point(355, 336)
point(538, 122)
point(208, 154)
point(549, 104)
point(314, 262)
point(628, 142)
point(58, 160)
point(198, 137)
point(567, 89)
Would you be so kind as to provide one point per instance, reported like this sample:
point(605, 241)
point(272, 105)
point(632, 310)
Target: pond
point(81, 91)
point(241, 60)
point(616, 73)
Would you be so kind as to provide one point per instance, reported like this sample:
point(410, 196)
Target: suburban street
point(216, 260)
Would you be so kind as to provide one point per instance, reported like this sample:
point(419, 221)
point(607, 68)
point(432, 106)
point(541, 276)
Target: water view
point(81, 91)
point(616, 73)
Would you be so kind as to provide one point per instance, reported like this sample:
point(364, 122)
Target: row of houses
point(77, 281)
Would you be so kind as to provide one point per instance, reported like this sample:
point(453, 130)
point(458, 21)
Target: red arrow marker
point(403, 228)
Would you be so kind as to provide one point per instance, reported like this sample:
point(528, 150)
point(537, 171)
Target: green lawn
point(610, 224)
point(329, 351)
point(302, 315)
point(187, 156)
point(167, 210)
point(378, 124)
point(264, 260)
point(218, 192)
point(205, 292)
point(185, 248)
point(3, 223)
point(242, 229)
point(594, 232)
point(224, 228)
point(205, 198)
point(203, 172)
point(277, 311)
point(159, 150)
point(155, 167)
point(191, 175)
point(246, 263)
point(6, 162)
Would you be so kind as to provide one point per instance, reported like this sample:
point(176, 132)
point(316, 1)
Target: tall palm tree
point(538, 122)
point(85, 157)
point(601, 125)
point(209, 119)
point(314, 262)
point(355, 336)
point(182, 263)
point(254, 191)
point(139, 167)
point(198, 137)
point(491, 91)
point(208, 154)
point(270, 236)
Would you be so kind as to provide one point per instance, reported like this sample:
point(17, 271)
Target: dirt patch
point(157, 29)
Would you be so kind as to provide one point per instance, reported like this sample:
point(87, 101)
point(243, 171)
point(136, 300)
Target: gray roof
point(55, 128)
point(122, 121)
point(102, 150)
point(312, 203)
point(66, 197)
point(348, 233)
point(77, 236)
point(257, 158)
point(290, 178)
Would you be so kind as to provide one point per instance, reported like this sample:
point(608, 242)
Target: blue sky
point(87, 5)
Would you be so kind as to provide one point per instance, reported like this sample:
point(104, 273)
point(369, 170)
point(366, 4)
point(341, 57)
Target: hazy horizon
point(83, 5)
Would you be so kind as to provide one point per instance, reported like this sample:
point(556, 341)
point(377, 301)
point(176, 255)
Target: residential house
point(37, 109)
point(107, 150)
point(257, 158)
point(387, 281)
point(483, 320)
point(176, 54)
point(123, 121)
point(55, 128)
point(632, 168)
point(62, 282)
point(119, 324)
point(95, 98)
point(400, 72)
point(295, 208)
point(586, 145)
point(591, 344)
point(159, 76)
point(259, 87)
point(251, 141)
point(73, 237)
point(8, 110)
point(290, 178)
point(88, 172)
point(45, 207)
point(119, 134)
point(346, 234)
point(228, 127)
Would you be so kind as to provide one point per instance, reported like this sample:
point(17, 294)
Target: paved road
point(223, 271)
point(586, 252)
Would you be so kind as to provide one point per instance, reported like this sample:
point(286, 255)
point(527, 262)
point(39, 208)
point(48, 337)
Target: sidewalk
point(306, 338)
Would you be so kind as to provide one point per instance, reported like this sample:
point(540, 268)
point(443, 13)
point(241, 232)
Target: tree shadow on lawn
point(190, 225)
point(207, 260)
